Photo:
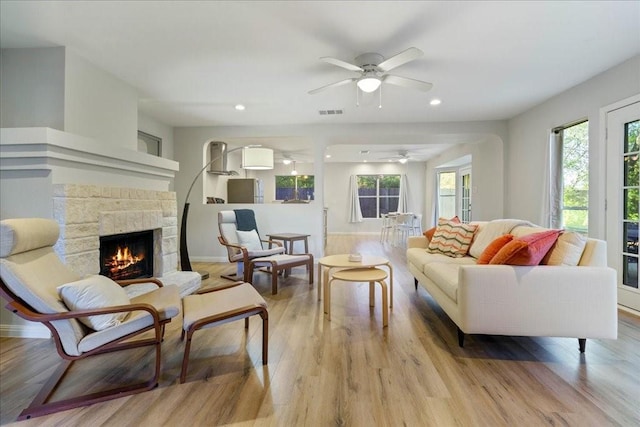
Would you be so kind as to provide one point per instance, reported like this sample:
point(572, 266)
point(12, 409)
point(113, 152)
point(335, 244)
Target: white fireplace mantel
point(74, 159)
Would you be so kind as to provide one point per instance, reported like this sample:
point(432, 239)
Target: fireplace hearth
point(127, 256)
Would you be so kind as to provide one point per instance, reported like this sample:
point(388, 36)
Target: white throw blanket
point(491, 231)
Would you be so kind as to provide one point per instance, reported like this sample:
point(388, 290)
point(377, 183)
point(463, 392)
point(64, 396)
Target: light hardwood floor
point(347, 371)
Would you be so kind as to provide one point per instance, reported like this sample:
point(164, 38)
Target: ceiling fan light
point(369, 84)
point(403, 161)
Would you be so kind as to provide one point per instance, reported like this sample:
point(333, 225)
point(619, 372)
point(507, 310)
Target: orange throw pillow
point(526, 250)
point(492, 249)
point(508, 251)
point(430, 232)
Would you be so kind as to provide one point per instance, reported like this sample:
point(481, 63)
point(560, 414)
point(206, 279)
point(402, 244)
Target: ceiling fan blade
point(406, 82)
point(340, 83)
point(401, 58)
point(341, 63)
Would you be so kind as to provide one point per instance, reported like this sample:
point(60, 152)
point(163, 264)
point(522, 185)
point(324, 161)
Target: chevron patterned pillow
point(452, 239)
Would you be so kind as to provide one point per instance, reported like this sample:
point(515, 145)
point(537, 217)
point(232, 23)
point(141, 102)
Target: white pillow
point(567, 250)
point(249, 239)
point(95, 292)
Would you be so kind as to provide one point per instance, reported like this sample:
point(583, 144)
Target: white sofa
point(545, 300)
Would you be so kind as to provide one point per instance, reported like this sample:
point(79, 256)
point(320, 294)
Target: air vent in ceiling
point(329, 112)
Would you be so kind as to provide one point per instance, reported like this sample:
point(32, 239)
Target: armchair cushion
point(95, 292)
point(249, 239)
point(166, 301)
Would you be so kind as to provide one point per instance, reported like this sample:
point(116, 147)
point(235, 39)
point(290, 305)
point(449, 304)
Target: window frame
point(561, 175)
point(377, 196)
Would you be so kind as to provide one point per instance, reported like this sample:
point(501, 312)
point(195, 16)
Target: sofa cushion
point(421, 258)
point(452, 239)
point(526, 250)
point(490, 251)
point(567, 250)
point(445, 276)
point(525, 230)
point(490, 231)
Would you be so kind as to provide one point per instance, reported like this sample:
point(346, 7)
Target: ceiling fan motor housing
point(369, 63)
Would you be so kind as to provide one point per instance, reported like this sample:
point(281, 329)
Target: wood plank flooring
point(348, 371)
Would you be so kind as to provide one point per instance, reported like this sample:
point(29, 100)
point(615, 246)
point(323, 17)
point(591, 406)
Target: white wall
point(529, 134)
point(337, 195)
point(165, 132)
point(56, 88)
point(487, 178)
point(98, 105)
point(32, 87)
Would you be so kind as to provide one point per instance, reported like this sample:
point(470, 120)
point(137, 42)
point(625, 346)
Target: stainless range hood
point(218, 153)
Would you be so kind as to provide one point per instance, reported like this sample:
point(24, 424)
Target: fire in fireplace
point(127, 256)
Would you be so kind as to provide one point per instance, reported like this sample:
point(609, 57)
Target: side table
point(290, 237)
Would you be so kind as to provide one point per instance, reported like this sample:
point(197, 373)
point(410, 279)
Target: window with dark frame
point(378, 194)
point(295, 187)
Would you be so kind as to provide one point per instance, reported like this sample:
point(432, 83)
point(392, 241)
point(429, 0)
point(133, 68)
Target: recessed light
point(364, 161)
point(435, 102)
point(328, 156)
point(240, 107)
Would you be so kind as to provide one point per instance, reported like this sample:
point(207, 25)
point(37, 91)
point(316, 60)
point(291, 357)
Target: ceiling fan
point(402, 157)
point(373, 68)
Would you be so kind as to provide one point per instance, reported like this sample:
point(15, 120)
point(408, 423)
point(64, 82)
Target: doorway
point(623, 205)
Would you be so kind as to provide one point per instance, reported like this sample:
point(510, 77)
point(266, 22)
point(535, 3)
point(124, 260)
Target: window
point(574, 189)
point(149, 144)
point(447, 194)
point(378, 194)
point(294, 187)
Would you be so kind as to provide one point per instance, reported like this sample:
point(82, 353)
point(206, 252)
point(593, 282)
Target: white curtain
point(355, 213)
point(551, 215)
point(403, 200)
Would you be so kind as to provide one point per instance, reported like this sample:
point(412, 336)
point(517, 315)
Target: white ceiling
point(193, 61)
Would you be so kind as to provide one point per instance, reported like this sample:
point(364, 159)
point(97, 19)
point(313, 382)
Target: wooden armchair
point(249, 253)
point(240, 253)
point(38, 287)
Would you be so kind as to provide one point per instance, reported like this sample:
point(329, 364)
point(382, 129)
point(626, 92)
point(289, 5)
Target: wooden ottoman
point(277, 263)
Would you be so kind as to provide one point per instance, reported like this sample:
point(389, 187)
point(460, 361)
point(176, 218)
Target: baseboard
point(24, 331)
point(629, 310)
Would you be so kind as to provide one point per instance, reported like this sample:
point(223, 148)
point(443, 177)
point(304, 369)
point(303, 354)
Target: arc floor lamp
point(253, 157)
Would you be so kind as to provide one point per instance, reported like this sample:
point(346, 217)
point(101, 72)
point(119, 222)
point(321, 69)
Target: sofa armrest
point(417, 242)
point(540, 301)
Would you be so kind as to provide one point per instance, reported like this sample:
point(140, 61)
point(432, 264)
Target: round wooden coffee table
point(327, 263)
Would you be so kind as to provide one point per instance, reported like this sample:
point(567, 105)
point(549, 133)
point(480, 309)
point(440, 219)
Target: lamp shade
point(257, 158)
point(369, 84)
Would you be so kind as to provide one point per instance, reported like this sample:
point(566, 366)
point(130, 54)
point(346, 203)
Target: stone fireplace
point(87, 212)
